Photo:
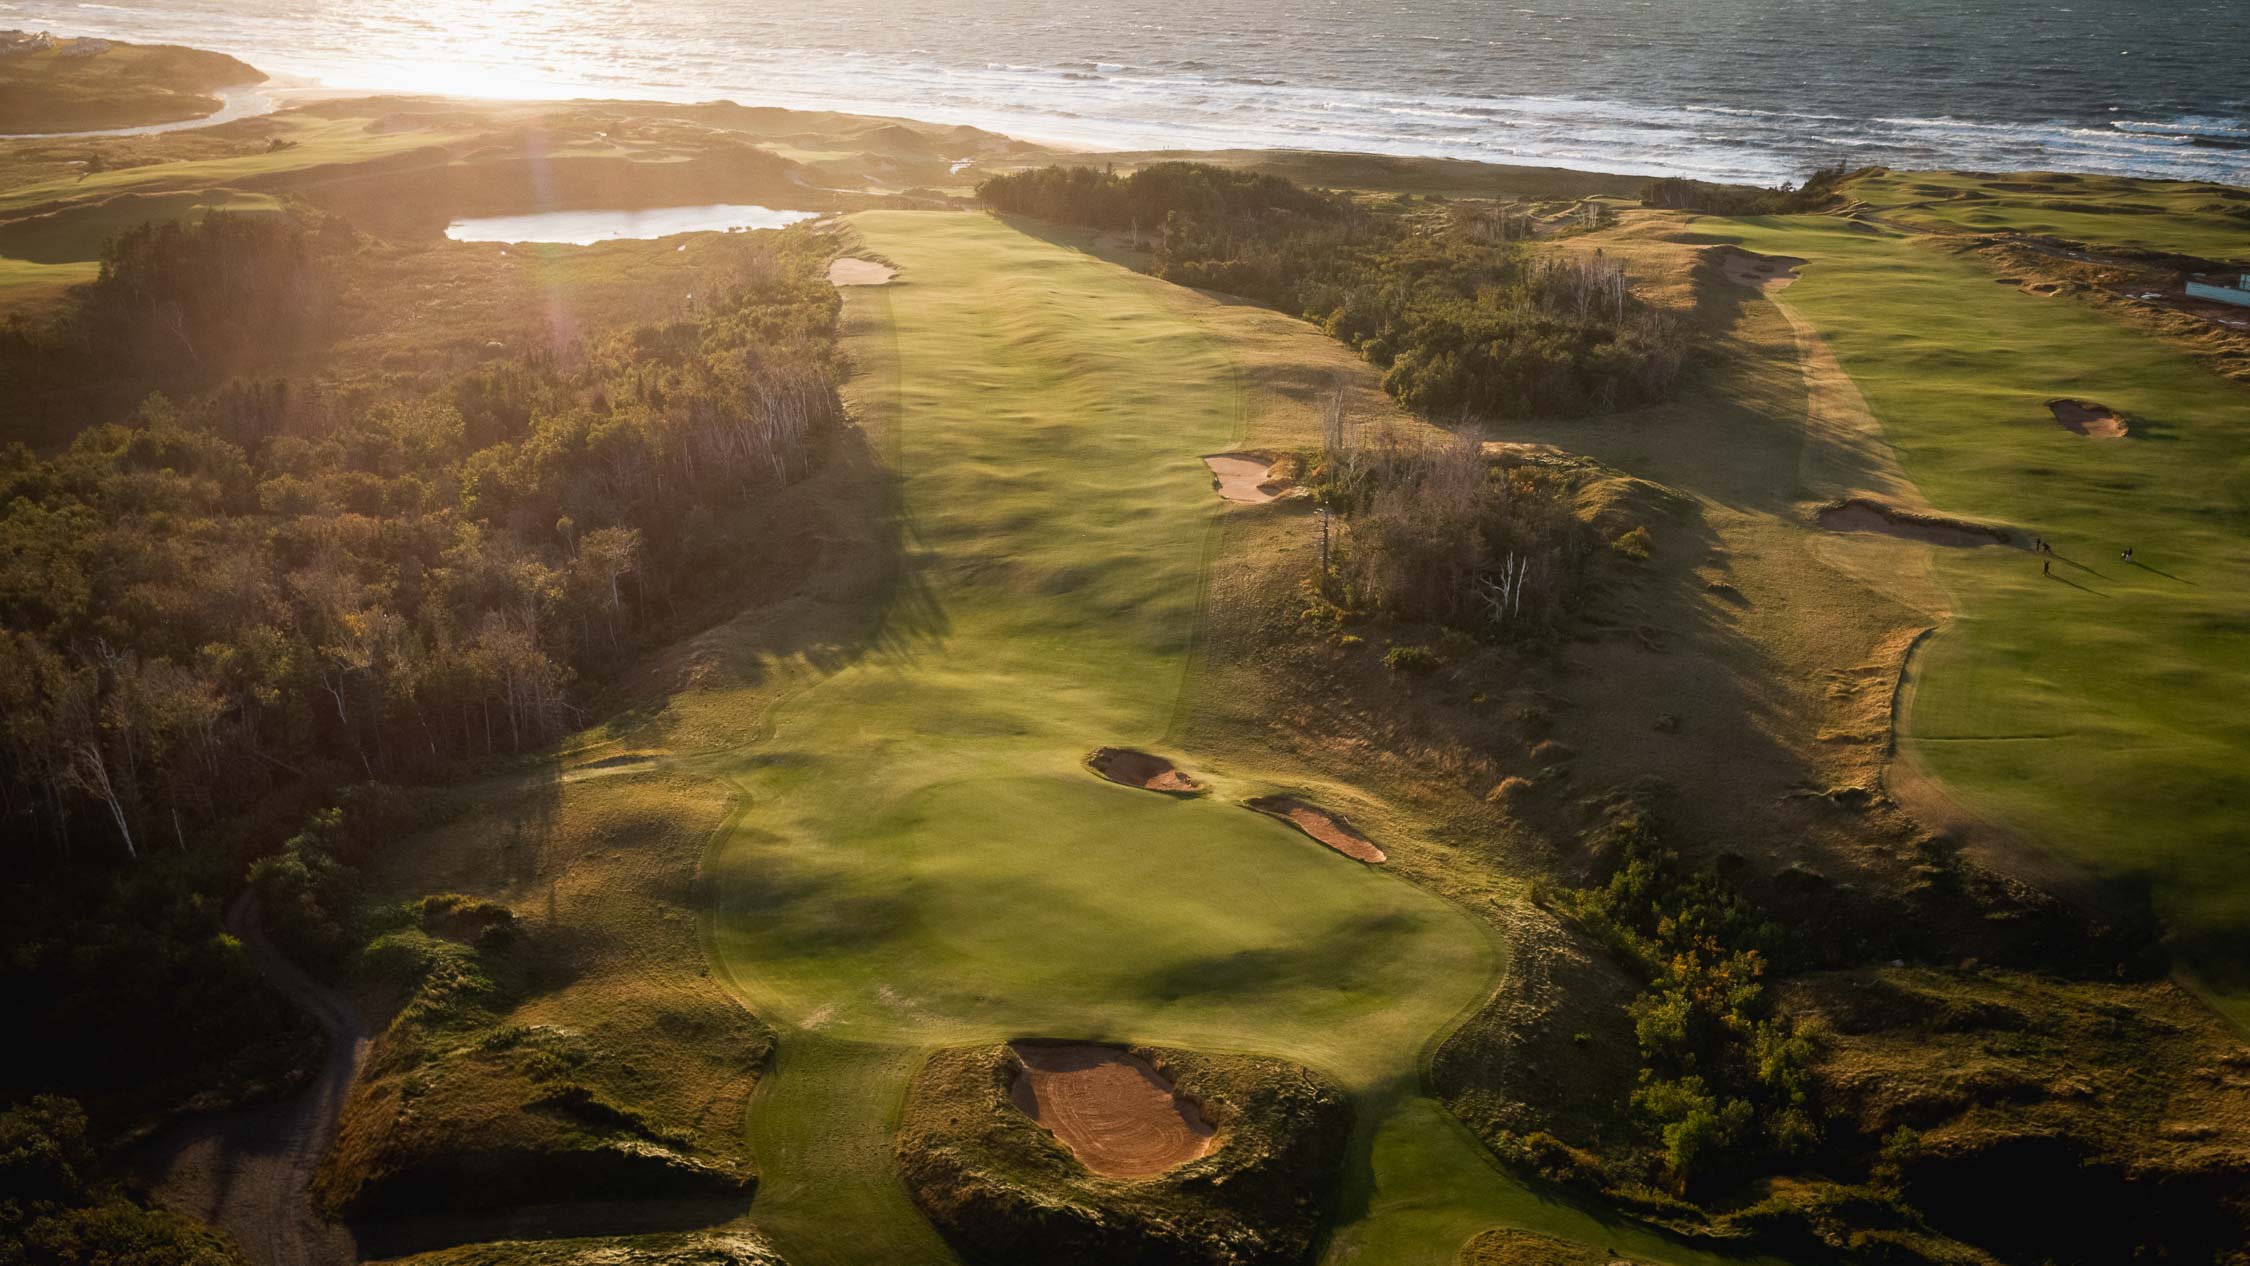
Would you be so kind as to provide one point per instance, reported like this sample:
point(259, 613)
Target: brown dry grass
point(610, 1026)
point(1510, 1247)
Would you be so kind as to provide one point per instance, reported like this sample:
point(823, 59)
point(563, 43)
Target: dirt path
point(250, 1171)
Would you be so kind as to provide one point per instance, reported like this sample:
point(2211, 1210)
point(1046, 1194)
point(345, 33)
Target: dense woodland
point(1465, 317)
point(253, 593)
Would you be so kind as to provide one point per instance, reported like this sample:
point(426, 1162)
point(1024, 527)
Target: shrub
point(1439, 533)
point(1510, 792)
point(1634, 544)
point(1410, 659)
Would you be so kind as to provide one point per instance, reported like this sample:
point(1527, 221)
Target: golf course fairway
point(2097, 710)
point(919, 858)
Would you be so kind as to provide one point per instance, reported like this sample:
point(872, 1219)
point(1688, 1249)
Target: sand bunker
point(1114, 1111)
point(1329, 828)
point(1244, 477)
point(1866, 516)
point(2084, 417)
point(1765, 272)
point(859, 272)
point(1139, 769)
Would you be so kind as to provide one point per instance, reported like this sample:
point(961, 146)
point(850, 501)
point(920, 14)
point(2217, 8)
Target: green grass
point(2182, 218)
point(920, 861)
point(76, 234)
point(2100, 711)
point(318, 140)
point(28, 287)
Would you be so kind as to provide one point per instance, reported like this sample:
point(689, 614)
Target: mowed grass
point(77, 233)
point(2098, 711)
point(2177, 217)
point(920, 861)
point(316, 141)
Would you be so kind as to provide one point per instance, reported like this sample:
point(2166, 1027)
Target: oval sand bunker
point(2084, 417)
point(1243, 477)
point(1112, 1109)
point(1329, 828)
point(1140, 769)
point(859, 272)
point(1866, 516)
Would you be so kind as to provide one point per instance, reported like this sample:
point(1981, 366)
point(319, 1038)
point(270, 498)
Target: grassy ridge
point(71, 87)
point(2190, 218)
point(923, 863)
point(2096, 710)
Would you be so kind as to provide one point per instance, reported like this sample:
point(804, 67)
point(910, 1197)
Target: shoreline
point(1110, 108)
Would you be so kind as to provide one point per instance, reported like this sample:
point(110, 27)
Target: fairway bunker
point(1245, 477)
point(859, 272)
point(1329, 828)
point(1111, 1108)
point(1132, 768)
point(2084, 417)
point(1859, 515)
point(1764, 272)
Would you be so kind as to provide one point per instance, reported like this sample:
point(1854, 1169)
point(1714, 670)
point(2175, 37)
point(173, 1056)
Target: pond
point(584, 228)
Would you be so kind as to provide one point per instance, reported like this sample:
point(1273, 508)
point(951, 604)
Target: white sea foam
point(1710, 88)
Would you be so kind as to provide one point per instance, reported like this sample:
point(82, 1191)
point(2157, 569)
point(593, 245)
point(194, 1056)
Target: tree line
point(1677, 193)
point(1463, 315)
point(255, 584)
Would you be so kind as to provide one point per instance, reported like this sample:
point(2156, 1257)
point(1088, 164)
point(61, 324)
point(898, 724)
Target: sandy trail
point(2084, 417)
point(250, 1171)
point(1242, 477)
point(1329, 828)
point(1112, 1109)
point(860, 272)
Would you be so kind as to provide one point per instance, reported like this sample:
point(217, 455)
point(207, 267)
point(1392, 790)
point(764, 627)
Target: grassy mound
point(2002, 1091)
point(549, 1040)
point(85, 84)
point(1001, 1188)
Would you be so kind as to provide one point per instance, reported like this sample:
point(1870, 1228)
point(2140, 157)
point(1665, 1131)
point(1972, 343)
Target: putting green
point(919, 860)
point(2099, 710)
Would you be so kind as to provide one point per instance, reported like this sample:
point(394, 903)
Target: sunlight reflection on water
point(584, 228)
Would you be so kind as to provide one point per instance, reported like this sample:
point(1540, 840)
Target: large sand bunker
point(1244, 477)
point(2084, 417)
point(859, 272)
point(1866, 516)
point(1765, 272)
point(1329, 828)
point(1140, 769)
point(1112, 1109)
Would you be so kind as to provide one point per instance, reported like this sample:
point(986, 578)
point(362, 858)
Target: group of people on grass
point(2040, 545)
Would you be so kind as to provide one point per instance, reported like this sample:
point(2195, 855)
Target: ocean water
point(584, 228)
point(1731, 89)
